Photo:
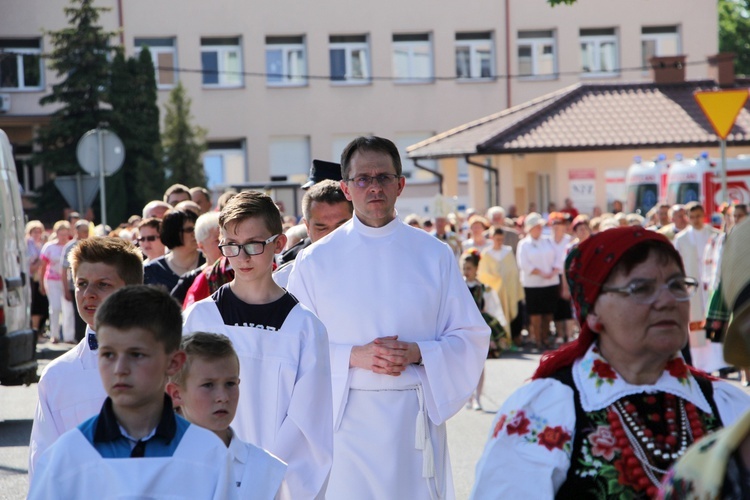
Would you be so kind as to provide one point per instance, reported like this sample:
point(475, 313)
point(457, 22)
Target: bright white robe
point(70, 392)
point(257, 474)
point(691, 245)
point(365, 283)
point(73, 469)
point(514, 465)
point(285, 391)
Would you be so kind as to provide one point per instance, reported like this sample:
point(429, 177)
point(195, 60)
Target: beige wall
point(321, 110)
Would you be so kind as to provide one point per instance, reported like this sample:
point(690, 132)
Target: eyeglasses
point(365, 181)
point(147, 238)
point(189, 229)
point(647, 291)
point(250, 248)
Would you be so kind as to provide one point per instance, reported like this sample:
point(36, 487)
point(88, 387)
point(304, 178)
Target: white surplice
point(70, 392)
point(365, 283)
point(285, 392)
point(257, 474)
point(199, 468)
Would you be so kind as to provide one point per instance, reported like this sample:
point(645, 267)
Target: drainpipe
point(433, 172)
point(507, 53)
point(492, 172)
point(121, 23)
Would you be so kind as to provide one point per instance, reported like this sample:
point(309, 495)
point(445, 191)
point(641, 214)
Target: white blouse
point(537, 254)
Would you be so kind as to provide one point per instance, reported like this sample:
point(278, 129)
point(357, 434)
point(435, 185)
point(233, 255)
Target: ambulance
point(699, 179)
point(647, 184)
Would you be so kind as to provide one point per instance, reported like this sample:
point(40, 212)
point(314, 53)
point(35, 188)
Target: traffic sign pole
point(723, 147)
point(102, 191)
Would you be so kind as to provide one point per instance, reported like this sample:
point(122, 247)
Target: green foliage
point(135, 118)
point(80, 56)
point(734, 32)
point(560, 2)
point(183, 142)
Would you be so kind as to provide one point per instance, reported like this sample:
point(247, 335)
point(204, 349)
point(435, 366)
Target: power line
point(304, 77)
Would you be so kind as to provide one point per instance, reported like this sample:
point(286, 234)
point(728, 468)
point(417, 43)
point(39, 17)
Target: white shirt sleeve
point(518, 460)
point(732, 402)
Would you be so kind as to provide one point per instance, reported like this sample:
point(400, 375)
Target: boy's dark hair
point(326, 191)
point(207, 346)
point(372, 143)
point(171, 227)
point(693, 206)
point(115, 252)
point(143, 306)
point(252, 204)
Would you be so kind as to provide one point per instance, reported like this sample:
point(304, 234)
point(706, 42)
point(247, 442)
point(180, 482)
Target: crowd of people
point(357, 333)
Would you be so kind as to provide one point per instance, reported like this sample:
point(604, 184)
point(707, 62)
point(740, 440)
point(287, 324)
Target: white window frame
point(155, 51)
point(19, 53)
point(659, 38)
point(292, 79)
point(534, 44)
point(223, 76)
point(597, 41)
point(409, 47)
point(349, 48)
point(224, 153)
point(475, 60)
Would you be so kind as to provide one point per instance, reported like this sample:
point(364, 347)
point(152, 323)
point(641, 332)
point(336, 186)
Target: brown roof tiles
point(590, 117)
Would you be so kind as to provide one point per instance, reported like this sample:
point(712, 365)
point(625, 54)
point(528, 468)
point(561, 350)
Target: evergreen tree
point(135, 118)
point(79, 57)
point(183, 142)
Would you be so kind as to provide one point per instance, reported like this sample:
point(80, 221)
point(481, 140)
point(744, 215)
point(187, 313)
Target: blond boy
point(206, 392)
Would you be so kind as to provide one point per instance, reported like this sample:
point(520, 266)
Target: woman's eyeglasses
point(250, 248)
point(147, 238)
point(647, 291)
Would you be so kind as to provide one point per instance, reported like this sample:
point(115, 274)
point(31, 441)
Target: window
point(659, 41)
point(286, 61)
point(537, 54)
point(412, 58)
point(164, 55)
point(475, 56)
point(289, 158)
point(599, 51)
point(224, 163)
point(21, 63)
point(350, 59)
point(221, 62)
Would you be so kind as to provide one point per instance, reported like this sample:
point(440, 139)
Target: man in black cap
point(319, 171)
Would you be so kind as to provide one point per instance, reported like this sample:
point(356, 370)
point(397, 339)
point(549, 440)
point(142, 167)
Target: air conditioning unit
point(4, 103)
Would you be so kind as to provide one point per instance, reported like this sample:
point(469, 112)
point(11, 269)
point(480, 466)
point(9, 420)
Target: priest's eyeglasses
point(250, 248)
point(365, 181)
point(647, 291)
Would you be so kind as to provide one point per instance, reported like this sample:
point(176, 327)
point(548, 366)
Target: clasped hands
point(385, 355)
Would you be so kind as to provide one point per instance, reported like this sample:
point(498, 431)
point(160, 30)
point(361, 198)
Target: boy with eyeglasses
point(282, 346)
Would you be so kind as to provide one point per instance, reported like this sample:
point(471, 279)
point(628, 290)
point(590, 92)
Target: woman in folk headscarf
point(607, 414)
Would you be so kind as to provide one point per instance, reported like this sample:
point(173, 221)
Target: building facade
point(277, 84)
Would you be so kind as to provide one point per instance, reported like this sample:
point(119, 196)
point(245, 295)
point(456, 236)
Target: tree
point(183, 143)
point(135, 118)
point(80, 57)
point(734, 32)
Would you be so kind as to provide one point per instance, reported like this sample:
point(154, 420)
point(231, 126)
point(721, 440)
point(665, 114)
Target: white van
point(18, 363)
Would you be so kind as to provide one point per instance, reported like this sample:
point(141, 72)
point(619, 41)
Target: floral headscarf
point(587, 268)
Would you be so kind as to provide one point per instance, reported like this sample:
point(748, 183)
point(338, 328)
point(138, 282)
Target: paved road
point(467, 431)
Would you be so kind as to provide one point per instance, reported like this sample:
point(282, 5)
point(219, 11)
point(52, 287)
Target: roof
point(588, 117)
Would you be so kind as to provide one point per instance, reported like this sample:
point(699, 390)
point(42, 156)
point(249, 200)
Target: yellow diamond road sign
point(721, 107)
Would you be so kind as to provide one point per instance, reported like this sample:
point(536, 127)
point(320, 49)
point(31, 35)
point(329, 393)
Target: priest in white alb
point(407, 341)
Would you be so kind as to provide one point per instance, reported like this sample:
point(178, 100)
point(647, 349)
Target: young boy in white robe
point(206, 392)
point(70, 389)
point(137, 446)
point(282, 347)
